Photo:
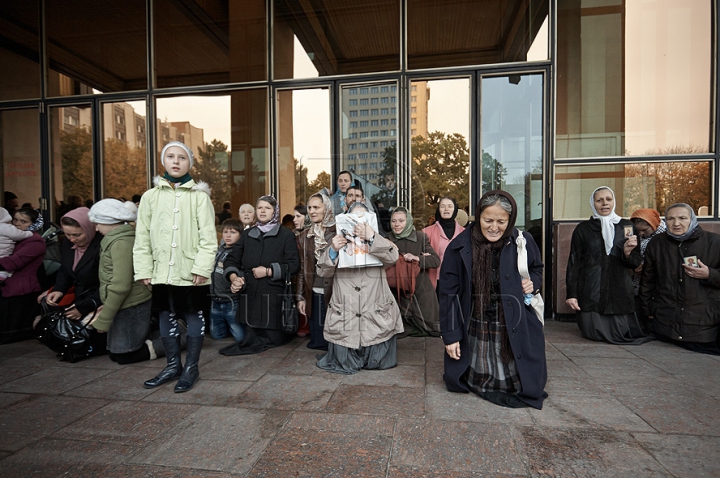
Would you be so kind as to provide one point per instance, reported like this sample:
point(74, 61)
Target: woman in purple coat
point(18, 301)
point(494, 343)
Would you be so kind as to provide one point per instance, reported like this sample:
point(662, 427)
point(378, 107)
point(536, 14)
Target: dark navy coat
point(525, 331)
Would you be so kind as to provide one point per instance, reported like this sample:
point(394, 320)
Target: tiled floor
point(613, 411)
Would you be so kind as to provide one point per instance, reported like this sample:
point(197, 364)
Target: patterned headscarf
point(38, 224)
point(317, 230)
point(274, 220)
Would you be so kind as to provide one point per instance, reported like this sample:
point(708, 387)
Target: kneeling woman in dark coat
point(603, 254)
point(680, 284)
point(494, 343)
point(258, 262)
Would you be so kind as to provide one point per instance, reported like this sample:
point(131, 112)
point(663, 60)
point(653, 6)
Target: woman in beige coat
point(363, 317)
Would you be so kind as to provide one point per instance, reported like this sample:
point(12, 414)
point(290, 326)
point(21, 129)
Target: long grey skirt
point(339, 359)
point(619, 329)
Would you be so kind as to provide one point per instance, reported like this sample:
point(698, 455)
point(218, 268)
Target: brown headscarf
point(482, 250)
point(651, 216)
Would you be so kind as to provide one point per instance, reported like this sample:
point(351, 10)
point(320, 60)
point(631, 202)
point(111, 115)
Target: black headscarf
point(448, 225)
point(483, 251)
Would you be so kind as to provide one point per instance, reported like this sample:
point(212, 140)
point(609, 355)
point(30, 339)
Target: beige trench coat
point(362, 310)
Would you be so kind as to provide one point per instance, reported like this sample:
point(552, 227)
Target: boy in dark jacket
point(224, 302)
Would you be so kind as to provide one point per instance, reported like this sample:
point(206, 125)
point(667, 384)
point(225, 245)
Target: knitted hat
point(651, 216)
point(112, 211)
point(190, 154)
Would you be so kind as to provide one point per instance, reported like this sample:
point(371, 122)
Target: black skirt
point(180, 299)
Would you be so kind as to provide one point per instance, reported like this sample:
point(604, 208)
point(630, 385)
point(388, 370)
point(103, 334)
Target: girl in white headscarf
point(603, 252)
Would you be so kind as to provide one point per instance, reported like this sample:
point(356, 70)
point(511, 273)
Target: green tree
point(659, 185)
point(323, 180)
point(77, 166)
point(387, 179)
point(212, 167)
point(440, 168)
point(124, 170)
point(301, 183)
point(493, 173)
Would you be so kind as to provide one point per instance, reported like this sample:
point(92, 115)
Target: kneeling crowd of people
point(152, 278)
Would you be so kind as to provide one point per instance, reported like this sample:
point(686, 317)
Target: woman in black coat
point(79, 263)
point(494, 343)
point(680, 283)
point(258, 265)
point(603, 253)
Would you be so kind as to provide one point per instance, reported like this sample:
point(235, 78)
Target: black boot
point(174, 368)
point(190, 373)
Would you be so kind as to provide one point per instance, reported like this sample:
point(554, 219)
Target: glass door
point(512, 144)
point(368, 140)
point(439, 145)
point(71, 158)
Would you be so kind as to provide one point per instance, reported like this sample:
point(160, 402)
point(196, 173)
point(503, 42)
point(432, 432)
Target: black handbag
point(289, 312)
point(66, 337)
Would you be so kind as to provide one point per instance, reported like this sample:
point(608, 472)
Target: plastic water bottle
point(527, 299)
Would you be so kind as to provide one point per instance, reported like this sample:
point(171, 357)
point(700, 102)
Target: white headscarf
point(607, 222)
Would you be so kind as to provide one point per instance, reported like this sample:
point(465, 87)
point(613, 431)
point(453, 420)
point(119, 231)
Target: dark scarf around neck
point(181, 180)
point(448, 225)
point(482, 251)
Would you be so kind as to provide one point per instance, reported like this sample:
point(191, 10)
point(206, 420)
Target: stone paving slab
point(612, 411)
point(29, 420)
point(288, 392)
point(683, 455)
point(53, 380)
point(51, 457)
point(461, 407)
point(218, 393)
point(130, 423)
point(439, 446)
point(587, 453)
point(214, 439)
point(377, 400)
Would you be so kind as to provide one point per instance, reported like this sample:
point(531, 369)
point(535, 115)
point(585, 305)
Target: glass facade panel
point(203, 43)
point(19, 56)
point(355, 153)
point(124, 163)
point(442, 34)
point(71, 158)
point(634, 78)
point(512, 144)
point(439, 147)
point(20, 155)
point(228, 135)
point(636, 186)
point(335, 38)
point(95, 47)
point(304, 145)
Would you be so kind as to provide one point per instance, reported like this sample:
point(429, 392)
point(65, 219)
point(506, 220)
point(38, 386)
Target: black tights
point(139, 355)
